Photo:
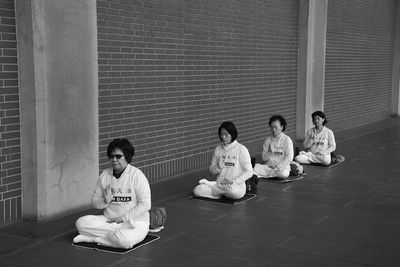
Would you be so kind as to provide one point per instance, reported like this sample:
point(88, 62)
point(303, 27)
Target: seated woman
point(277, 151)
point(123, 193)
point(319, 142)
point(231, 162)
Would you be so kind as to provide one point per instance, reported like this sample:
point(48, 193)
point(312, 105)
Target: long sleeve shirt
point(320, 143)
point(278, 151)
point(231, 162)
point(131, 195)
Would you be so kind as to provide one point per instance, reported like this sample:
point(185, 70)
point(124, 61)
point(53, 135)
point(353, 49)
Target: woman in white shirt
point(319, 142)
point(231, 163)
point(123, 193)
point(277, 151)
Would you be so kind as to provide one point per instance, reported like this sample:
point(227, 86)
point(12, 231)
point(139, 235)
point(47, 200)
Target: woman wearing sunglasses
point(123, 193)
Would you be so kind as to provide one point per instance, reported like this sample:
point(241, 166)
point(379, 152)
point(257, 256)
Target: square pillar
point(396, 67)
point(57, 54)
point(311, 66)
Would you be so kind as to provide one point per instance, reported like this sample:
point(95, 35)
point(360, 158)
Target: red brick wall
point(171, 71)
point(10, 164)
point(359, 58)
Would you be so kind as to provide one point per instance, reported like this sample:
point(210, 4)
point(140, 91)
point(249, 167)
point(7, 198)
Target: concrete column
point(311, 67)
point(57, 53)
point(396, 67)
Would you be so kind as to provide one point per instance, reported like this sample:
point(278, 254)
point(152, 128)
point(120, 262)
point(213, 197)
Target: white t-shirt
point(131, 195)
point(278, 151)
point(231, 162)
point(320, 143)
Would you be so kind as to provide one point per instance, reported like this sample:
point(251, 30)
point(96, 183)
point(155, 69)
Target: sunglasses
point(117, 156)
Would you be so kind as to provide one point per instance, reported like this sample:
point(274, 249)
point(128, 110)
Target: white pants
point(309, 157)
point(263, 170)
point(120, 235)
point(212, 189)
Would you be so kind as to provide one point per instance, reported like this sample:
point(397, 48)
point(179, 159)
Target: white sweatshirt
point(278, 151)
point(231, 162)
point(320, 143)
point(131, 195)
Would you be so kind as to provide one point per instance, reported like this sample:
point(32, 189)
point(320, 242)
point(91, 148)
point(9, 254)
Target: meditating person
point(123, 193)
point(319, 142)
point(231, 163)
point(277, 151)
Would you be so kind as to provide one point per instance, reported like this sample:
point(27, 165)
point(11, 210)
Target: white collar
point(230, 146)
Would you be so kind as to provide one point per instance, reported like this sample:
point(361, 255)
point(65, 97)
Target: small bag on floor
point(158, 215)
point(251, 185)
point(295, 168)
point(337, 158)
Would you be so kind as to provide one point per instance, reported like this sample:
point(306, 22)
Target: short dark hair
point(125, 146)
point(278, 118)
point(321, 115)
point(230, 128)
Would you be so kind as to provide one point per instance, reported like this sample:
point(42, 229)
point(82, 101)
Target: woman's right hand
point(108, 195)
point(221, 165)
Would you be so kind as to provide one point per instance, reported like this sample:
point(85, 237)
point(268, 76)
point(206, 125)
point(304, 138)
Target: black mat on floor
point(225, 200)
point(148, 239)
point(281, 180)
point(322, 165)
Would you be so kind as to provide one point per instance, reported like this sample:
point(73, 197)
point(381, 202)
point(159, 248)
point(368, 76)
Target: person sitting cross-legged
point(123, 193)
point(277, 151)
point(319, 142)
point(231, 162)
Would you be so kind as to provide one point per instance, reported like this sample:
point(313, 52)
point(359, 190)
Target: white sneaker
point(156, 230)
point(207, 182)
point(203, 181)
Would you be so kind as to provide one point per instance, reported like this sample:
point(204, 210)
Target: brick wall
point(170, 71)
point(359, 56)
point(10, 165)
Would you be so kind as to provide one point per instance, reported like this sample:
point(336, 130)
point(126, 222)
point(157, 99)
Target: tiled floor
point(347, 215)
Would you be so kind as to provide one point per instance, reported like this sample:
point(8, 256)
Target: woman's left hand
point(116, 220)
point(226, 183)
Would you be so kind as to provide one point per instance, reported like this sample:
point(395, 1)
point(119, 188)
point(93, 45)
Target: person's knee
point(235, 193)
point(198, 190)
point(300, 158)
point(207, 191)
point(258, 167)
point(284, 174)
point(261, 170)
point(118, 240)
point(326, 161)
point(83, 222)
point(239, 195)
